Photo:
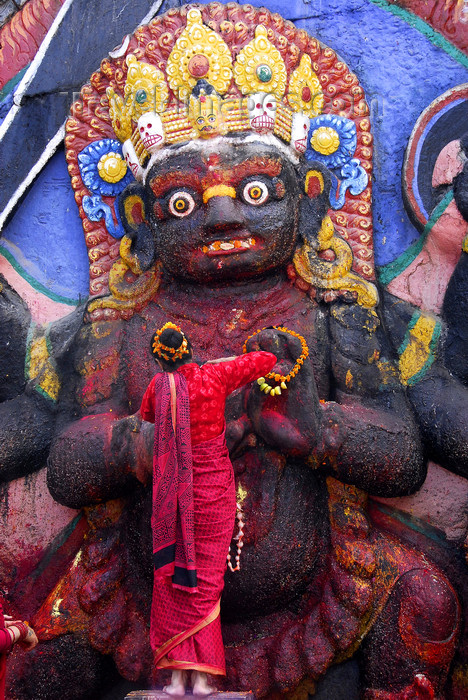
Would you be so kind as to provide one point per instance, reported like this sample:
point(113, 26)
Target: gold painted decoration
point(41, 367)
point(112, 167)
point(259, 67)
point(336, 274)
point(121, 118)
point(325, 140)
point(205, 114)
point(145, 88)
point(418, 349)
point(177, 126)
point(305, 92)
point(198, 53)
point(283, 122)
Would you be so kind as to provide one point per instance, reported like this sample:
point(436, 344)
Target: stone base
point(161, 695)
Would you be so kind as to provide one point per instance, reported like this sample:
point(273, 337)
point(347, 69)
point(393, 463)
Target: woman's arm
point(243, 369)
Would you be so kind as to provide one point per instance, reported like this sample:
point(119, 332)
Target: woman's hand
point(30, 641)
point(9, 622)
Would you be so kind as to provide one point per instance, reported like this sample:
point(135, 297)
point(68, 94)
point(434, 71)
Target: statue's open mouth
point(235, 245)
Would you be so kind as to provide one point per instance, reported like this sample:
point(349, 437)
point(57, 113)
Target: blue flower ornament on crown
point(199, 72)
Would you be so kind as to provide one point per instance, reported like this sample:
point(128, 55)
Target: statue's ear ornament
point(314, 184)
point(332, 140)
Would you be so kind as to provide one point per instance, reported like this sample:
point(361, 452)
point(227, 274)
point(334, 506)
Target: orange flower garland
point(281, 379)
point(175, 353)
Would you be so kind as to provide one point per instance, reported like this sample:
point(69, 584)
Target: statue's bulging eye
point(181, 204)
point(255, 193)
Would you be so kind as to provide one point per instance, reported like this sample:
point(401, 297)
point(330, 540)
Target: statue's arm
point(433, 365)
point(366, 435)
point(26, 428)
point(440, 403)
point(103, 451)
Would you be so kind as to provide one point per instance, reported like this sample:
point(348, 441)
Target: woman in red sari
point(194, 504)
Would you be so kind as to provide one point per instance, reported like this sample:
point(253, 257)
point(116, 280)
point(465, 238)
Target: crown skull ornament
point(201, 72)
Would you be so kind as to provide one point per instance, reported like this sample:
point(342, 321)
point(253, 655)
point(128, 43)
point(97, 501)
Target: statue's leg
point(64, 668)
point(408, 651)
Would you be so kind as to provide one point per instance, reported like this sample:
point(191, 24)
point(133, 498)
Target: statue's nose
point(222, 212)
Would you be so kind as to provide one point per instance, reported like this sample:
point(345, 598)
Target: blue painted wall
point(44, 239)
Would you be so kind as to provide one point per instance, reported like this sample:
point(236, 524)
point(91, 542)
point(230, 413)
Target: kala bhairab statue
point(221, 161)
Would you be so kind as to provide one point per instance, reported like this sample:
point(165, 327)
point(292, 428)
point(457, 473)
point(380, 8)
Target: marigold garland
point(281, 379)
point(175, 353)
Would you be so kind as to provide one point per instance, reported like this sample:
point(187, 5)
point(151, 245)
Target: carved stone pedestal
point(160, 695)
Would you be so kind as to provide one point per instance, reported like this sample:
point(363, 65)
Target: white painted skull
point(151, 131)
point(132, 161)
point(299, 131)
point(262, 111)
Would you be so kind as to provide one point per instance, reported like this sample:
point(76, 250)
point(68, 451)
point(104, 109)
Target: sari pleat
point(186, 629)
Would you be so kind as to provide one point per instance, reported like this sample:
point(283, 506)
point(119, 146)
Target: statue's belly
point(286, 534)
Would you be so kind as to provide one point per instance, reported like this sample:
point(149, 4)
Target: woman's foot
point(200, 685)
point(176, 689)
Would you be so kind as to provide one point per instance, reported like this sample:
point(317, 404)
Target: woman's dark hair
point(172, 339)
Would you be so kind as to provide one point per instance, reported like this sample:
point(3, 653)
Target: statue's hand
point(143, 444)
point(285, 346)
point(291, 421)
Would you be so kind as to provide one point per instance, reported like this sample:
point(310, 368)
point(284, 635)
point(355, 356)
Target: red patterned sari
point(194, 507)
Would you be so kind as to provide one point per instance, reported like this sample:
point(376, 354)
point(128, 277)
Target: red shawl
point(172, 516)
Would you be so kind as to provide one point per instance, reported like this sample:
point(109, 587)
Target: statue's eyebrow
point(163, 183)
point(258, 165)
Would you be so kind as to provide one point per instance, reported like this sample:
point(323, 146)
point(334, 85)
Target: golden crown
point(199, 71)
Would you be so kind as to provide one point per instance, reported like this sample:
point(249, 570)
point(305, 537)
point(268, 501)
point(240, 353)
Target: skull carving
point(151, 131)
point(299, 131)
point(262, 111)
point(132, 161)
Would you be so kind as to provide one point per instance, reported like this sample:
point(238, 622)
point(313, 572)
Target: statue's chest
point(220, 331)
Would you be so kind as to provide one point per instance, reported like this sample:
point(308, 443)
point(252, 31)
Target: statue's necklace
point(282, 380)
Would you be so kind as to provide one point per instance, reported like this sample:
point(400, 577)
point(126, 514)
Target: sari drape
point(185, 629)
point(172, 515)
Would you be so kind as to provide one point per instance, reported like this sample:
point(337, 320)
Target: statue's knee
point(429, 612)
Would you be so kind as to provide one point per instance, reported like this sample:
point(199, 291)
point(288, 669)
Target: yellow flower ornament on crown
point(200, 71)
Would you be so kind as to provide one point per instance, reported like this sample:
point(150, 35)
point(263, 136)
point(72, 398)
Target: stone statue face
point(224, 210)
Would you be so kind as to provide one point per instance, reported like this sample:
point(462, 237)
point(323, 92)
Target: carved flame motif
point(304, 91)
point(198, 53)
point(259, 66)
